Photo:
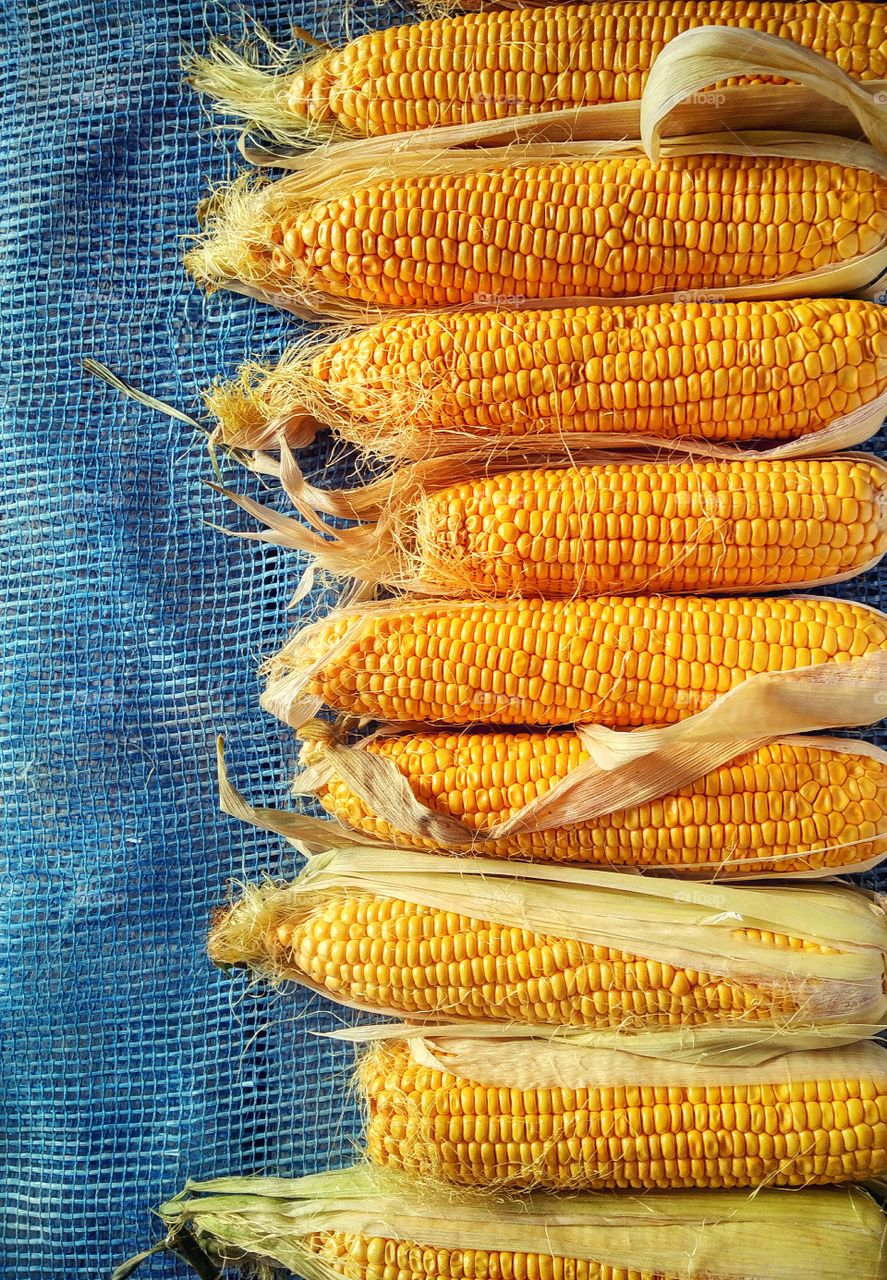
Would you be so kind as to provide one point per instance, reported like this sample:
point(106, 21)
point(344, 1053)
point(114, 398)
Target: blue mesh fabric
point(132, 636)
point(133, 632)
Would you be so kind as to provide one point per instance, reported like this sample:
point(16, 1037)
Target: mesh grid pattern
point(132, 636)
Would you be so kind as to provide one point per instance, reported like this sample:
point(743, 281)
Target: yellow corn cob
point(363, 1257)
point(588, 530)
point(415, 385)
point(369, 1223)
point(685, 527)
point(570, 228)
point(362, 939)
point(489, 66)
point(785, 808)
point(421, 961)
point(803, 1120)
point(618, 662)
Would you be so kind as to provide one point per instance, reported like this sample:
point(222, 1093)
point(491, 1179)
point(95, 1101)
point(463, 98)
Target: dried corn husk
point(239, 219)
point(388, 795)
point(713, 1046)
point(267, 405)
point(819, 98)
point(765, 705)
point(495, 1057)
point(697, 60)
point(840, 981)
point(262, 1225)
point(400, 545)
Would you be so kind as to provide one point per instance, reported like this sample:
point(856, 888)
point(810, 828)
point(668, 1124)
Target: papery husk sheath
point(400, 542)
point(265, 1224)
point(839, 979)
point(240, 221)
point(389, 796)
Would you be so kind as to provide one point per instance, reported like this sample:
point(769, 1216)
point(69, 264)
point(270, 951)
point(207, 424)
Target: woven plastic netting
point(132, 636)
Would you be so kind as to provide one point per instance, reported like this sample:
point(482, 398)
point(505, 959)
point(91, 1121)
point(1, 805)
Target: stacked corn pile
point(593, 659)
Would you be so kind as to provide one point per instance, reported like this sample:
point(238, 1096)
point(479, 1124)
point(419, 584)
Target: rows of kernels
point(732, 371)
point(394, 955)
point(361, 1257)
point(784, 941)
point(612, 228)
point(498, 64)
point(480, 778)
point(692, 526)
point(619, 662)
point(782, 802)
point(809, 1132)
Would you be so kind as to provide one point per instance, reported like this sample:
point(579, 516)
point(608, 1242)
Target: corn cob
point(493, 65)
point(789, 807)
point(376, 1224)
point(416, 385)
point(618, 662)
point(686, 527)
point(464, 528)
point(464, 229)
point(415, 936)
point(539, 1114)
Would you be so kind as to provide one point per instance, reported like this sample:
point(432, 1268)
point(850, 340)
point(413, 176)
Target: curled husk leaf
point(390, 798)
point(436, 528)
